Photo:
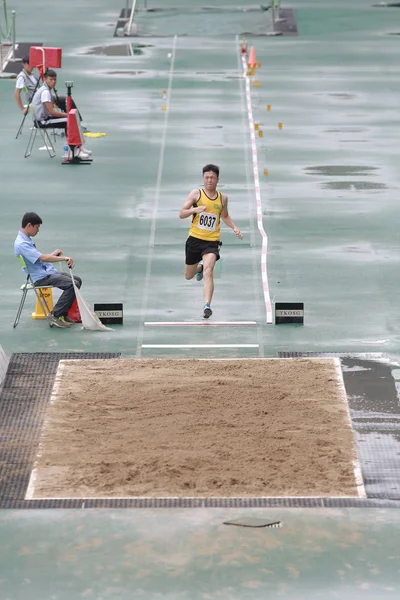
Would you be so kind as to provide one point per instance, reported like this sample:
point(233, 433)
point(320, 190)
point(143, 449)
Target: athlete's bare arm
point(227, 219)
point(188, 209)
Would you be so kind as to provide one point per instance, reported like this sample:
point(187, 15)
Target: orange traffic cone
point(252, 59)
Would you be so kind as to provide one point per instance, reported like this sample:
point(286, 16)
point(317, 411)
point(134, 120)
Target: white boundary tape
point(264, 248)
point(200, 346)
point(192, 323)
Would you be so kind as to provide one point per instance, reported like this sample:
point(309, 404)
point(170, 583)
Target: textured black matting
point(24, 397)
point(374, 410)
point(124, 16)
point(286, 24)
point(375, 416)
point(153, 503)
point(15, 66)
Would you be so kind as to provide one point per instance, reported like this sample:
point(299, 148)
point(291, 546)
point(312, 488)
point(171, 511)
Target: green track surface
point(333, 241)
point(331, 212)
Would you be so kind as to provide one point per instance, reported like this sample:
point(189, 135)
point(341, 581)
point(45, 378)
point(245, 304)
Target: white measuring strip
point(356, 463)
point(192, 323)
point(264, 275)
point(30, 492)
point(156, 201)
point(200, 346)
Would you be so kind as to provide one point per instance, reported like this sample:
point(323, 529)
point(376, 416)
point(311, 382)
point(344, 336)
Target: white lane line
point(195, 323)
point(250, 200)
point(150, 254)
point(264, 248)
point(200, 346)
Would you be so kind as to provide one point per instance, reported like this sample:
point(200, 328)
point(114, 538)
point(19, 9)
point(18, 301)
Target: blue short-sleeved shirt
point(25, 247)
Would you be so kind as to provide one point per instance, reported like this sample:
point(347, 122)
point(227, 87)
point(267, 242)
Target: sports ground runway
point(330, 210)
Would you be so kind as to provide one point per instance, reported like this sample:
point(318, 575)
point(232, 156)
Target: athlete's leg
point(209, 261)
point(191, 270)
point(193, 257)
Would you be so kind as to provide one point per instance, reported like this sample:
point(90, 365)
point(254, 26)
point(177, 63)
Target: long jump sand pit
point(159, 428)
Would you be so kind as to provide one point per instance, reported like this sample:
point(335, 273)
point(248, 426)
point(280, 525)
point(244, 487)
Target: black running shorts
point(196, 248)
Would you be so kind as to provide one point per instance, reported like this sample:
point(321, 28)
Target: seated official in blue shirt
point(40, 268)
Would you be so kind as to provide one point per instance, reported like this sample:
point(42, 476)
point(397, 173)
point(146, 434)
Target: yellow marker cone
point(256, 126)
point(48, 296)
point(280, 125)
point(265, 171)
point(93, 134)
point(258, 65)
point(260, 133)
point(268, 107)
point(164, 107)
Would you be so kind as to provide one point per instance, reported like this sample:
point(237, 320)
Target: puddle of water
point(125, 49)
point(353, 141)
point(340, 170)
point(353, 185)
point(341, 96)
point(347, 130)
point(124, 72)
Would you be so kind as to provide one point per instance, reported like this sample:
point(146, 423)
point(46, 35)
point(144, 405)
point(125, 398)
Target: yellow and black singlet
point(205, 225)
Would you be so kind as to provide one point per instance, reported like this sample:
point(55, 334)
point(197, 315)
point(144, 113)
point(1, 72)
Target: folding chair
point(29, 285)
point(45, 137)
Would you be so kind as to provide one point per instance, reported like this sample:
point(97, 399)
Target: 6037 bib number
point(207, 221)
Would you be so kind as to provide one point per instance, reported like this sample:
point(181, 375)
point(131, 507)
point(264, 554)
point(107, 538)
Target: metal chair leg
point(31, 141)
point(20, 128)
point(47, 142)
point(21, 304)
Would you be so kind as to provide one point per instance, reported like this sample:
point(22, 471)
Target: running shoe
point(66, 319)
point(207, 312)
point(79, 153)
point(57, 322)
point(199, 274)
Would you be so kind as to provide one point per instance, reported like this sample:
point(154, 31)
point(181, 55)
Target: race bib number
point(207, 221)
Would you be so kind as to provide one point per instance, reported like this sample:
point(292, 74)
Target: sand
point(156, 428)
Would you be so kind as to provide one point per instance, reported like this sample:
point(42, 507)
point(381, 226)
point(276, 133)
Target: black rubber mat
point(172, 503)
point(286, 24)
point(375, 414)
point(374, 409)
point(124, 16)
point(24, 397)
point(15, 66)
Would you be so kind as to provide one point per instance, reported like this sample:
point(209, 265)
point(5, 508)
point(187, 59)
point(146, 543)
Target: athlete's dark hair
point(31, 218)
point(50, 73)
point(212, 168)
point(25, 59)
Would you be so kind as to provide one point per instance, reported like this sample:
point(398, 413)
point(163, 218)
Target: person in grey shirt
point(25, 86)
point(43, 104)
point(46, 115)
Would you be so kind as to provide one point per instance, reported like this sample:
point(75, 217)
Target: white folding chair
point(45, 137)
point(29, 285)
